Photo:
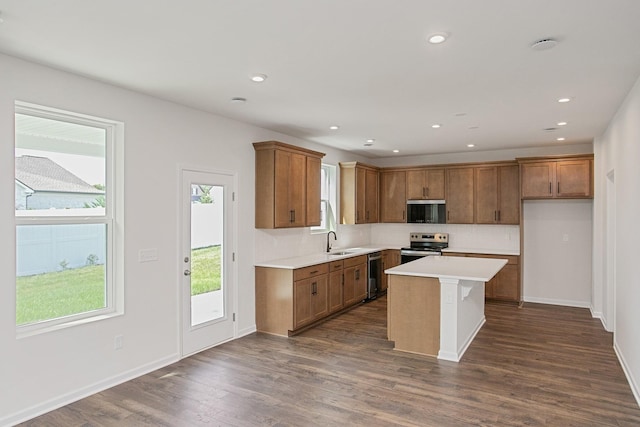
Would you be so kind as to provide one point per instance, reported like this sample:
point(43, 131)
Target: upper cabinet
point(358, 193)
point(287, 185)
point(557, 178)
point(393, 196)
point(426, 184)
point(459, 195)
point(497, 194)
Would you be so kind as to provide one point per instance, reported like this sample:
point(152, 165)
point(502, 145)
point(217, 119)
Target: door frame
point(233, 241)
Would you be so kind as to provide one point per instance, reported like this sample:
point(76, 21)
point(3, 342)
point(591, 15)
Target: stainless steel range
point(424, 244)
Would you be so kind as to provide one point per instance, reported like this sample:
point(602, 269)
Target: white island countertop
point(443, 267)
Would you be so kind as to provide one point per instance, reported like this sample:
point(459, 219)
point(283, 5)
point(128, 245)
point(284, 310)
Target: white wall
point(618, 152)
point(44, 371)
point(557, 252)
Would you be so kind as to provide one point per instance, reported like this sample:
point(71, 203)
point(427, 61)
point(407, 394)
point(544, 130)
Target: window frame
point(112, 219)
point(331, 201)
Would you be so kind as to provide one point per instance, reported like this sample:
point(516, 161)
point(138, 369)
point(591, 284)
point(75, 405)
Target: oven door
point(408, 255)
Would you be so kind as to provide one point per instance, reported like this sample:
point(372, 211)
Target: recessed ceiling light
point(544, 44)
point(473, 127)
point(371, 141)
point(334, 127)
point(561, 123)
point(259, 78)
point(560, 139)
point(396, 151)
point(563, 100)
point(438, 38)
point(238, 100)
point(471, 145)
point(436, 126)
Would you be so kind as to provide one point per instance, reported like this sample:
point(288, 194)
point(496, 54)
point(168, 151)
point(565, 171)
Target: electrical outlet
point(118, 342)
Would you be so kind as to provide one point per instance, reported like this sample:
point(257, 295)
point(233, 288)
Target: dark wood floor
point(540, 365)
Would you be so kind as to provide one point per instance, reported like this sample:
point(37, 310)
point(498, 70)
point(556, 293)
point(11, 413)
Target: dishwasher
point(374, 268)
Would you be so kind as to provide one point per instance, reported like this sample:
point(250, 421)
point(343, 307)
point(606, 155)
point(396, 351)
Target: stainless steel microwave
point(426, 212)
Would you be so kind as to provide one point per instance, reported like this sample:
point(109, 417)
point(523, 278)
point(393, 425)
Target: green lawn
point(52, 295)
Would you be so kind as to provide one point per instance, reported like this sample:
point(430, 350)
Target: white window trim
point(332, 201)
point(113, 219)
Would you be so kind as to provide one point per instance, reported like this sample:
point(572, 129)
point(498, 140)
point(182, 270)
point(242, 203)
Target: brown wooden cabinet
point(390, 259)
point(393, 196)
point(355, 280)
point(427, 184)
point(287, 185)
point(497, 197)
point(506, 285)
point(459, 195)
point(557, 178)
point(336, 285)
point(358, 193)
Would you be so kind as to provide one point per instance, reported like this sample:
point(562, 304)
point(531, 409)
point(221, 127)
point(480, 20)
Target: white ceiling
point(361, 64)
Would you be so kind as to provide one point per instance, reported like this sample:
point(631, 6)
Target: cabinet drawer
point(311, 271)
point(350, 262)
point(336, 265)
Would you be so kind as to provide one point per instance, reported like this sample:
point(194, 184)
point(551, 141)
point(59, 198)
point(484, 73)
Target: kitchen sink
point(341, 253)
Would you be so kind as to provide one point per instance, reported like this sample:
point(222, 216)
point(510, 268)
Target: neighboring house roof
point(43, 174)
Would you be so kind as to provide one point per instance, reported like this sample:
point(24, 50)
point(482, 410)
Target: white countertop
point(319, 258)
point(467, 268)
point(482, 251)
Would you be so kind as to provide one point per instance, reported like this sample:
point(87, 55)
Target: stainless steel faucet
point(329, 244)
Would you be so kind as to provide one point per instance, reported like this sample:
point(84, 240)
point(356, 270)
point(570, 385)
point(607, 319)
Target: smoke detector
point(544, 44)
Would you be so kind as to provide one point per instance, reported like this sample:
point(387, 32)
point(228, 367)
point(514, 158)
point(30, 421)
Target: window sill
point(45, 327)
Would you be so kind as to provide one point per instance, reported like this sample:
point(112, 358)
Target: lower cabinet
point(336, 286)
point(355, 280)
point(390, 258)
point(505, 286)
point(288, 300)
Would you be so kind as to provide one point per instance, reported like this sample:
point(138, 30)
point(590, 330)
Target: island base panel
point(413, 314)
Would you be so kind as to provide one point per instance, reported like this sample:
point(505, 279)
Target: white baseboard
point(627, 372)
point(246, 331)
point(67, 398)
point(568, 303)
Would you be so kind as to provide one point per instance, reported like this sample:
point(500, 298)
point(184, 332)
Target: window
point(327, 199)
point(65, 215)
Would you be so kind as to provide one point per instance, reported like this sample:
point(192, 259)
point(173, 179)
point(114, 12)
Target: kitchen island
point(435, 305)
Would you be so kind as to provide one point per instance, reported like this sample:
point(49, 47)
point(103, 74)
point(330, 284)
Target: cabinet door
point(371, 196)
point(573, 178)
point(349, 286)
point(416, 184)
point(486, 195)
point(336, 282)
point(361, 187)
point(302, 313)
point(393, 197)
point(360, 286)
point(290, 189)
point(460, 196)
point(509, 194)
point(313, 216)
point(537, 180)
point(507, 283)
point(319, 297)
point(386, 256)
point(435, 184)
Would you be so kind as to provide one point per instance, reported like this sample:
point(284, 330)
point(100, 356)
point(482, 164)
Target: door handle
point(187, 272)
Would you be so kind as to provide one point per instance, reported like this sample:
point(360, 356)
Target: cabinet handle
point(294, 215)
point(403, 214)
point(342, 279)
point(367, 216)
point(498, 216)
point(423, 192)
point(558, 187)
point(357, 274)
point(313, 272)
point(495, 215)
point(427, 191)
point(447, 215)
point(314, 288)
point(549, 188)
